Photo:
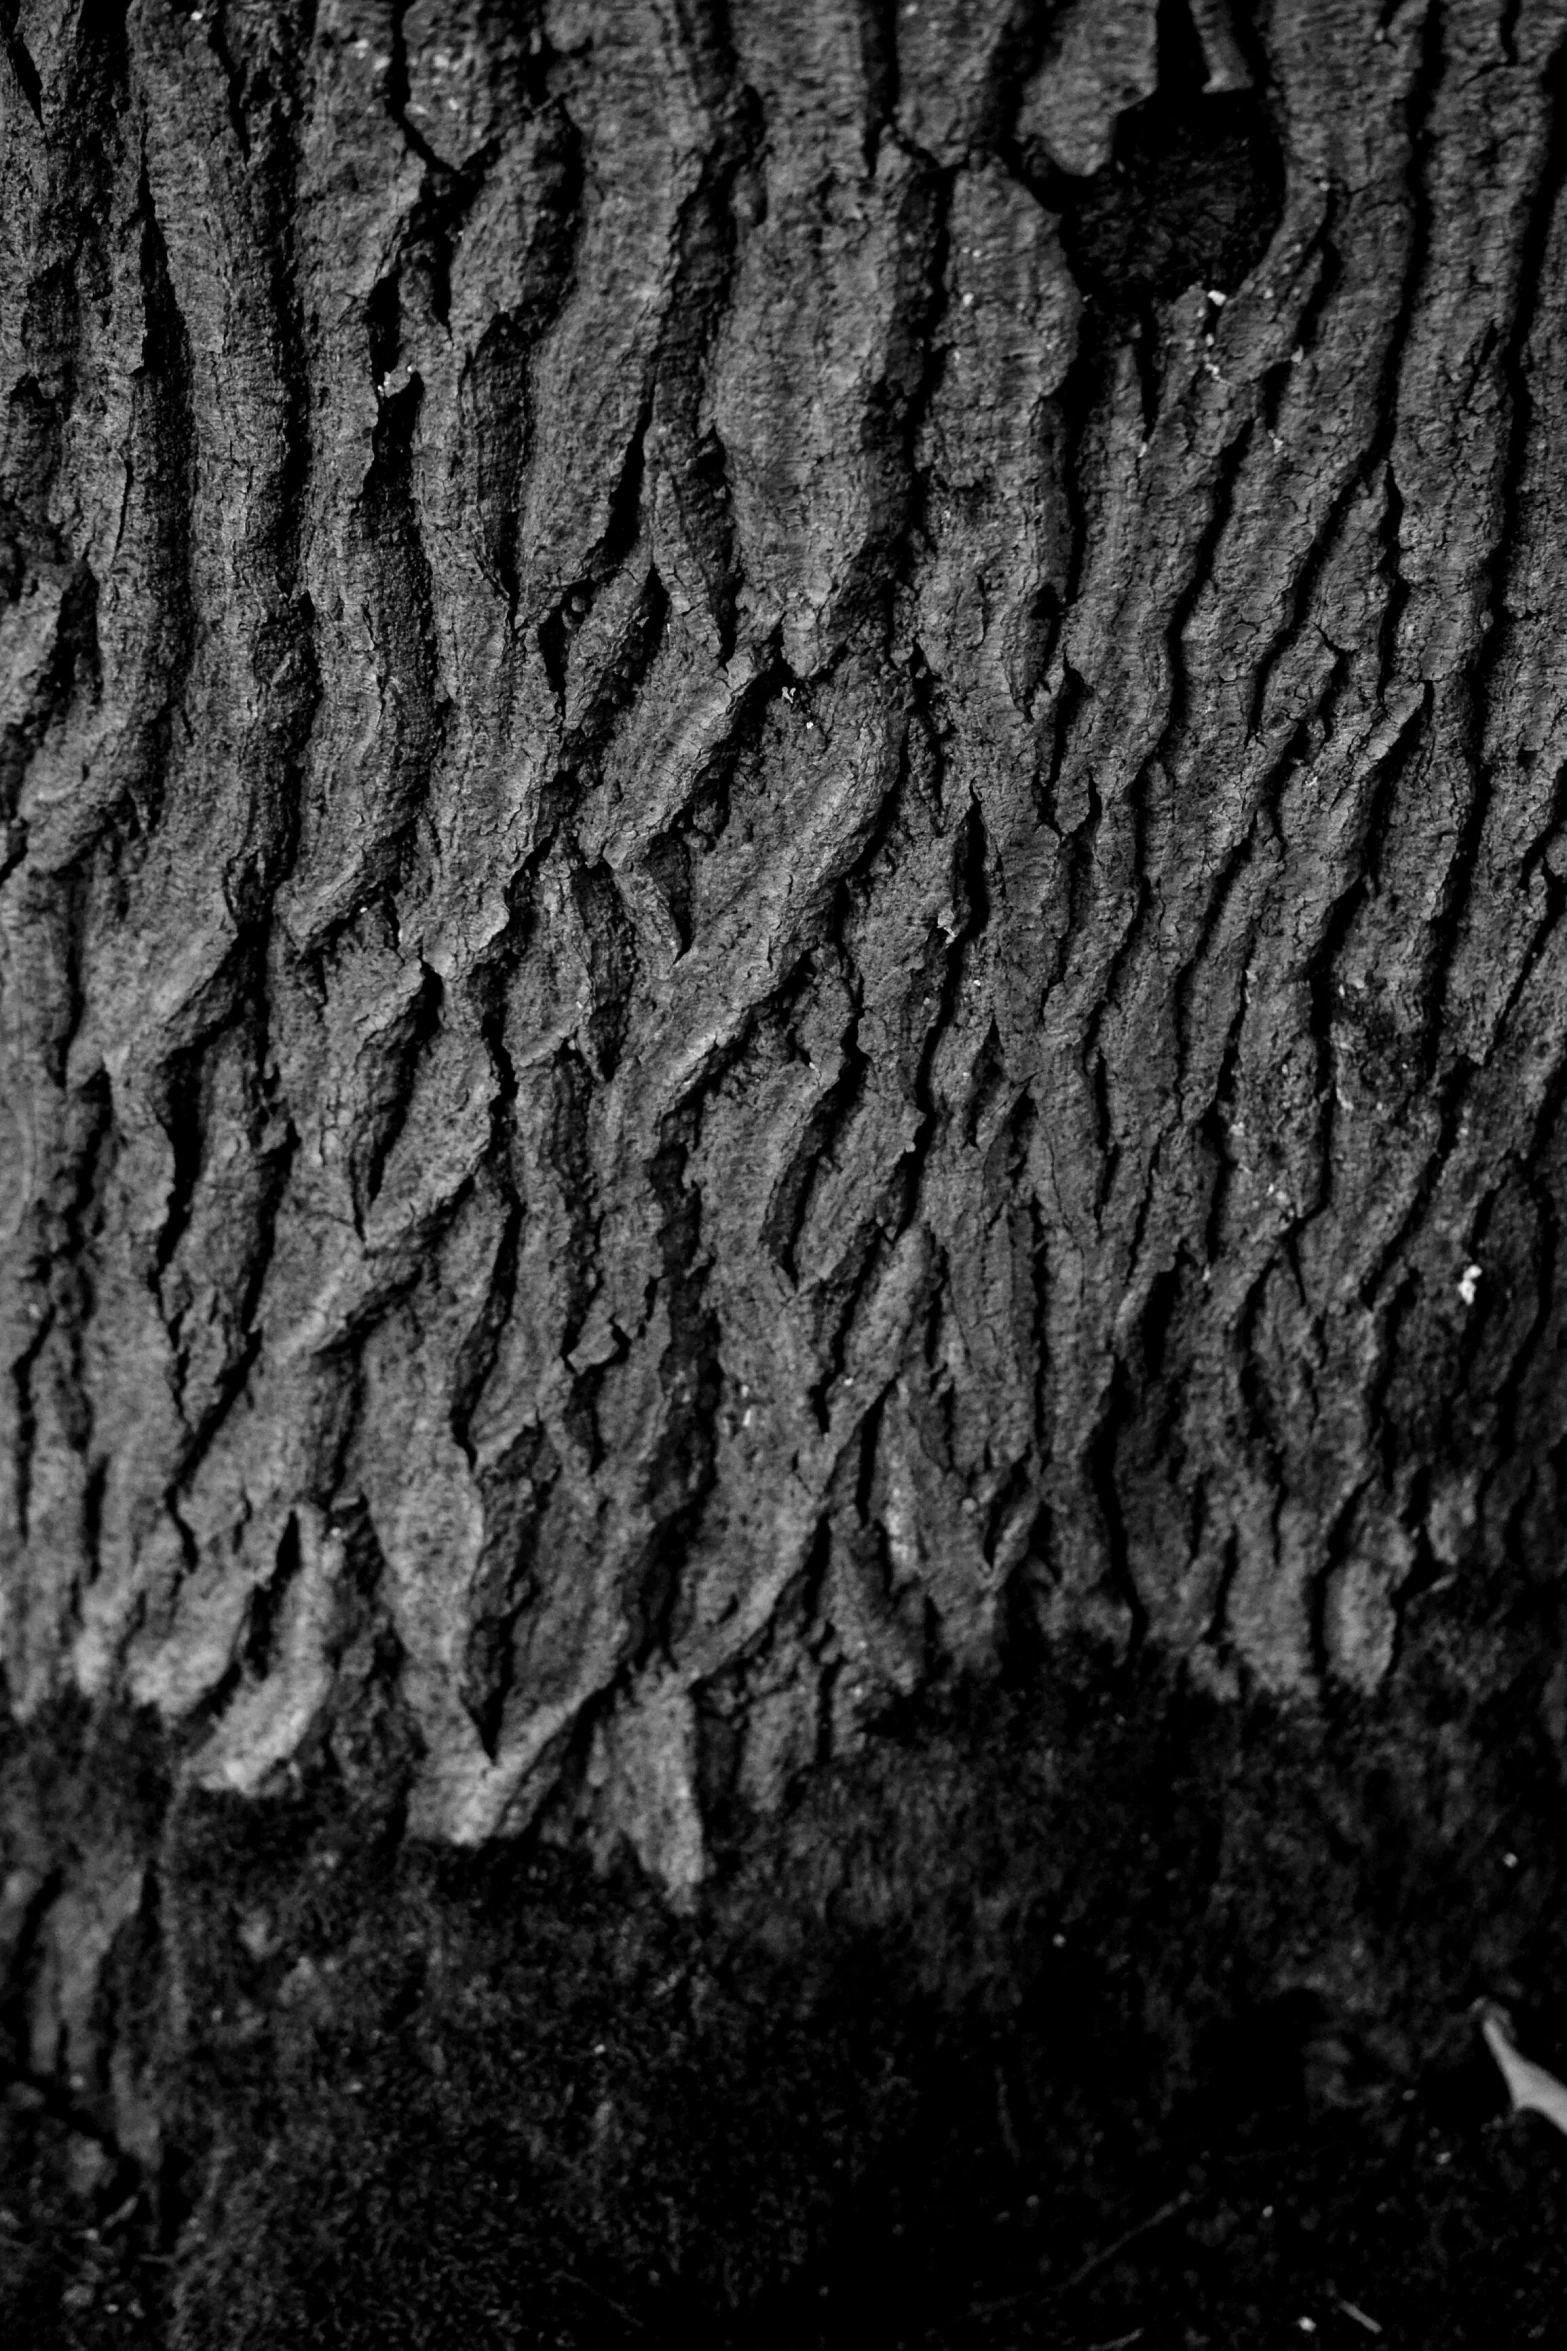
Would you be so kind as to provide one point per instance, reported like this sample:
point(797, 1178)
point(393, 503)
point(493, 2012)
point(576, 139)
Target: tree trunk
point(782, 1140)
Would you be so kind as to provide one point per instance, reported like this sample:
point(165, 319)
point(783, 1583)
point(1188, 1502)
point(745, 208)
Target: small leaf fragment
point(1529, 2086)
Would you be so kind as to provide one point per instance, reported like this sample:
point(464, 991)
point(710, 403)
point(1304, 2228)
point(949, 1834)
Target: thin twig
point(569, 2277)
point(1155, 2220)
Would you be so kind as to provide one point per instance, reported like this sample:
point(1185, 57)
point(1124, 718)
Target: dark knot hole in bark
point(1192, 193)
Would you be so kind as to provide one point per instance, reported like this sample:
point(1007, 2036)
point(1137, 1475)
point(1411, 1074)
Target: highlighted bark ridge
point(741, 961)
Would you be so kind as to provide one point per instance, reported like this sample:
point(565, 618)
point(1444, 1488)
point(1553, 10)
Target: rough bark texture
point(780, 940)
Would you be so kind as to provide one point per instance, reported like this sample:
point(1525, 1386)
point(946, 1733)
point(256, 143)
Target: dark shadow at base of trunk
point(1058, 2014)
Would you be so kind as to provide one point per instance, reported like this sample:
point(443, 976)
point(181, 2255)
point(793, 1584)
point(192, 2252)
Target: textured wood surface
point(784, 862)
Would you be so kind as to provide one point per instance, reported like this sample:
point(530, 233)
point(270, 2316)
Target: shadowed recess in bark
point(1192, 196)
point(1050, 1970)
point(1193, 190)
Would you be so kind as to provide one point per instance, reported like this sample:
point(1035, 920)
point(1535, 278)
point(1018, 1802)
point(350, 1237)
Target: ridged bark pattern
point(784, 860)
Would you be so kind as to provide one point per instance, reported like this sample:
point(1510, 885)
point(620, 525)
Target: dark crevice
point(556, 630)
point(233, 78)
point(516, 1489)
point(787, 1209)
point(612, 961)
point(1321, 257)
point(20, 59)
point(184, 1124)
point(481, 1349)
point(265, 95)
point(27, 1416)
point(1555, 895)
point(1192, 194)
point(1398, 588)
point(164, 452)
point(1016, 55)
point(838, 1296)
point(893, 414)
point(683, 1473)
point(707, 243)
point(496, 390)
point(878, 22)
point(569, 1152)
point(403, 620)
point(970, 914)
point(1536, 1281)
point(987, 1084)
point(1335, 1550)
point(1381, 792)
point(572, 605)
point(396, 95)
point(623, 674)
point(623, 522)
point(1071, 698)
point(258, 1648)
point(673, 855)
point(1100, 1462)
point(78, 1221)
point(1452, 1098)
point(1251, 1387)
point(1221, 895)
point(389, 1062)
point(667, 860)
point(75, 664)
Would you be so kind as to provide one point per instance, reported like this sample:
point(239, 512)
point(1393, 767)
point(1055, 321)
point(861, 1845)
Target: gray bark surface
point(782, 908)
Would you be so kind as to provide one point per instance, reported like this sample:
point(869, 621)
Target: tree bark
point(783, 990)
